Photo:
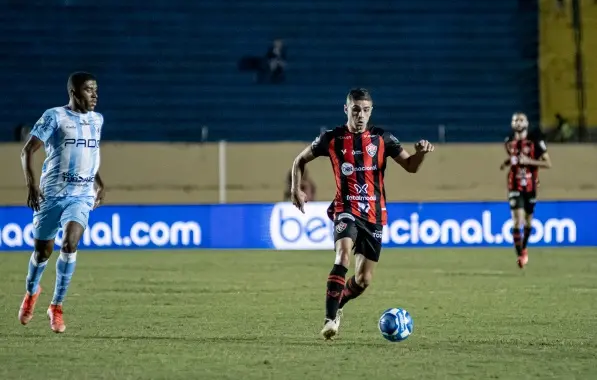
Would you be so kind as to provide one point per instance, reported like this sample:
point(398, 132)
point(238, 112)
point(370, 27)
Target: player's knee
point(69, 245)
point(43, 250)
point(42, 255)
point(343, 257)
point(364, 279)
point(343, 251)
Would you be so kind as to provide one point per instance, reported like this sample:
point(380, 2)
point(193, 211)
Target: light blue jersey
point(72, 144)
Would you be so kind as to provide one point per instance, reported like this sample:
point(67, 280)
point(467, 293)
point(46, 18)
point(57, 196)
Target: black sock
point(351, 291)
point(335, 286)
point(517, 240)
point(527, 234)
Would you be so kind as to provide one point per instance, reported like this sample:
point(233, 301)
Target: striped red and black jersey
point(524, 178)
point(359, 162)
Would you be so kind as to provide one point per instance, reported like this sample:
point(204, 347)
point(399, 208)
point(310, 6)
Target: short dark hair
point(359, 94)
point(76, 80)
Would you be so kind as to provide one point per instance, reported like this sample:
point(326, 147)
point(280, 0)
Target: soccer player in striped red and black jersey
point(527, 153)
point(358, 153)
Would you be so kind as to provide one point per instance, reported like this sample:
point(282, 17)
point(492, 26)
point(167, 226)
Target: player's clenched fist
point(424, 146)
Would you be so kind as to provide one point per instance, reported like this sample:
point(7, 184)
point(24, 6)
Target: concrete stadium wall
point(188, 173)
point(557, 62)
point(557, 71)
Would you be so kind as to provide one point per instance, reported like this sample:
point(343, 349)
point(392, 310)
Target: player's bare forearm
point(410, 162)
point(298, 167)
point(31, 146)
point(540, 163)
point(99, 191)
point(413, 163)
point(544, 162)
point(27, 164)
point(506, 163)
point(99, 183)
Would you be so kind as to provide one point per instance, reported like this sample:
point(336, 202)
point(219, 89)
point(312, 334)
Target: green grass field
point(257, 315)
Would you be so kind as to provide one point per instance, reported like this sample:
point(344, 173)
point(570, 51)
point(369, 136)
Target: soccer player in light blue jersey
point(70, 187)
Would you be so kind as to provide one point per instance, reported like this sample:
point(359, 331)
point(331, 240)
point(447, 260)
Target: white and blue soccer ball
point(396, 324)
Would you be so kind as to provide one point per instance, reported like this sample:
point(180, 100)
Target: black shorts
point(366, 236)
point(522, 199)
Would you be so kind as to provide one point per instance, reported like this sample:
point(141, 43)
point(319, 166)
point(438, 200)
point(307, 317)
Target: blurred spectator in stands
point(563, 131)
point(307, 185)
point(21, 132)
point(276, 61)
point(269, 68)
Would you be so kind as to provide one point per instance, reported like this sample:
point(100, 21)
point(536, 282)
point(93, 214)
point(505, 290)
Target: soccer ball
point(396, 324)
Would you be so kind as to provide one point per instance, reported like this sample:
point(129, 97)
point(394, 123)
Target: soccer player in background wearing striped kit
point(527, 153)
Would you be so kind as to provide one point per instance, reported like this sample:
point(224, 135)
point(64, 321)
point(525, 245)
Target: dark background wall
point(168, 67)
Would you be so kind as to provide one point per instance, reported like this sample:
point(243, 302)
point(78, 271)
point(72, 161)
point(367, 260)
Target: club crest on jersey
point(371, 150)
point(341, 226)
point(44, 123)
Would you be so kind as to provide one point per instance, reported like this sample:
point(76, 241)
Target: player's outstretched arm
point(507, 162)
point(34, 195)
point(412, 163)
point(297, 196)
point(99, 191)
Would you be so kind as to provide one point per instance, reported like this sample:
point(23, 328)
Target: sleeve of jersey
point(320, 146)
point(392, 145)
point(101, 124)
point(540, 147)
point(45, 126)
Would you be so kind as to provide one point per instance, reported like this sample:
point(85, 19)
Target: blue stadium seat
point(169, 67)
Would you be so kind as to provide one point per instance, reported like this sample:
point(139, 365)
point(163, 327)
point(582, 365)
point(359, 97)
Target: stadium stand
point(170, 67)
